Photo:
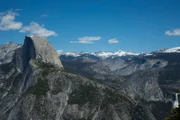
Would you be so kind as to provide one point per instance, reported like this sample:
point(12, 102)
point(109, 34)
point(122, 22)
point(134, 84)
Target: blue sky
point(93, 25)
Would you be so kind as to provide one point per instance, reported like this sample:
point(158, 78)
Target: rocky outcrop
point(38, 48)
point(7, 52)
point(144, 85)
point(18, 71)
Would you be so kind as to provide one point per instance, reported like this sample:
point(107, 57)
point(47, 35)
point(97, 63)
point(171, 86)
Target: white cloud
point(35, 29)
point(44, 15)
point(87, 40)
point(175, 32)
point(113, 41)
point(7, 21)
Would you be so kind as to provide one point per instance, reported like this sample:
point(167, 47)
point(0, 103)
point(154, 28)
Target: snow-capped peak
point(99, 54)
point(122, 53)
point(117, 53)
point(104, 55)
point(171, 50)
point(74, 54)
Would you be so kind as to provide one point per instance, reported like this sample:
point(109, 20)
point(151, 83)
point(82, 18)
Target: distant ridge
point(118, 53)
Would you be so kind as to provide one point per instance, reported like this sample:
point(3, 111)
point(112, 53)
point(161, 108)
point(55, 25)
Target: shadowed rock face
point(38, 48)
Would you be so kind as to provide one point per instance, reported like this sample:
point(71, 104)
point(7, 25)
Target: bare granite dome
point(36, 47)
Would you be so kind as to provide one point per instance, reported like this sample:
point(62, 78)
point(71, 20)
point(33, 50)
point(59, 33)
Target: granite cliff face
point(7, 52)
point(36, 47)
point(34, 85)
point(18, 71)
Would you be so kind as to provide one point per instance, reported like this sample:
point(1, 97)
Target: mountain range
point(39, 83)
point(118, 53)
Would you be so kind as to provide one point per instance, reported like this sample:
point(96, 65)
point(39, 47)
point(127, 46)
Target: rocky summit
point(36, 47)
point(34, 85)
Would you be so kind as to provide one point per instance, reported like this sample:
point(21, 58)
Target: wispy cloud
point(36, 29)
point(175, 32)
point(44, 15)
point(7, 21)
point(87, 40)
point(113, 41)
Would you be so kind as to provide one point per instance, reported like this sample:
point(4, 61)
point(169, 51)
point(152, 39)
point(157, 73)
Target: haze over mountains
point(37, 84)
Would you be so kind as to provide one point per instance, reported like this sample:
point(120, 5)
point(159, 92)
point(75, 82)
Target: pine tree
point(175, 114)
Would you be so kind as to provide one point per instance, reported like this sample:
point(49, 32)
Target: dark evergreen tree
point(175, 114)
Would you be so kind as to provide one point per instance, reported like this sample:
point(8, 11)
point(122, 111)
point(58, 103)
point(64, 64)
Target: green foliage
point(175, 114)
point(57, 87)
point(122, 79)
point(112, 97)
point(85, 94)
point(46, 67)
point(157, 106)
point(41, 88)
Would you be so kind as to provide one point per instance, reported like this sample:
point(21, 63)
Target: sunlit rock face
point(36, 47)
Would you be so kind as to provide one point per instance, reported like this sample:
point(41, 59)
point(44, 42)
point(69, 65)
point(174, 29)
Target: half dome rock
point(36, 47)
